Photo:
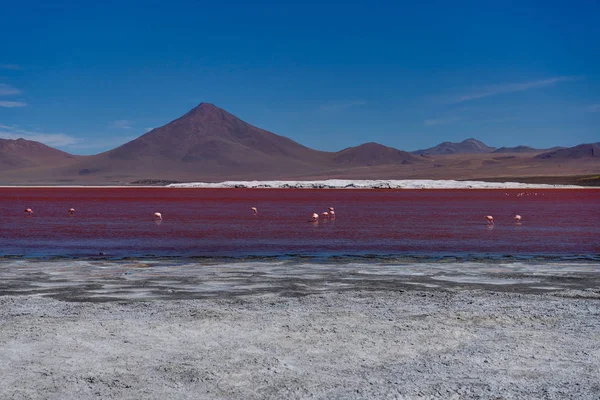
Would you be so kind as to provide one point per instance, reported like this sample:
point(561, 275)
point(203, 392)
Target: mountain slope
point(582, 151)
point(517, 149)
point(207, 142)
point(468, 146)
point(373, 154)
point(22, 153)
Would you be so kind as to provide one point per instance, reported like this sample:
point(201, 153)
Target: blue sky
point(86, 78)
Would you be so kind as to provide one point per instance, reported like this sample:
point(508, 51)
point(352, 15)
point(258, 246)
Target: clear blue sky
point(86, 78)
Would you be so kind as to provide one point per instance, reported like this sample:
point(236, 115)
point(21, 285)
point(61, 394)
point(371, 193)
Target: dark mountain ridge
point(468, 146)
point(582, 151)
point(516, 149)
point(374, 154)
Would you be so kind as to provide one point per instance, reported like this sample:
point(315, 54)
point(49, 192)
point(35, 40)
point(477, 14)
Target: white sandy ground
point(363, 344)
point(372, 184)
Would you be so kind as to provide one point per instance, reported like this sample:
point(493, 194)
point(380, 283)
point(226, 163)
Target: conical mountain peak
point(205, 112)
point(211, 140)
point(207, 108)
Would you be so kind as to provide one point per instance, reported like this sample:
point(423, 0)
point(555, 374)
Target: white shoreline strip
point(371, 184)
point(328, 184)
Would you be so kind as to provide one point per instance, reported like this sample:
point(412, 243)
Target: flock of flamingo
point(330, 214)
point(29, 211)
point(490, 219)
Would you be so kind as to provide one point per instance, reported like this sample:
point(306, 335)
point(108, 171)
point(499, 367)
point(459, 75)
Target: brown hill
point(373, 154)
point(517, 149)
point(206, 143)
point(22, 153)
point(582, 151)
point(468, 146)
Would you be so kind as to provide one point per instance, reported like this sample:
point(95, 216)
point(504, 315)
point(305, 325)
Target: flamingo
point(330, 208)
point(71, 211)
point(28, 211)
point(254, 210)
point(490, 219)
point(315, 217)
point(517, 218)
point(331, 213)
point(158, 216)
point(325, 214)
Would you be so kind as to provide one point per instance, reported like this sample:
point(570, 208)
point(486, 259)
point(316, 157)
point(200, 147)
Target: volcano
point(207, 143)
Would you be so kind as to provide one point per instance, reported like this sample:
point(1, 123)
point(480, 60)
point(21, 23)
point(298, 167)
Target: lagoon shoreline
point(328, 184)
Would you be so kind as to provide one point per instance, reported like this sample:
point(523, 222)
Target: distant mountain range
point(210, 144)
point(468, 146)
point(517, 149)
point(589, 150)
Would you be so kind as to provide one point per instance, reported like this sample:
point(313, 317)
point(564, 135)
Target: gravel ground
point(366, 344)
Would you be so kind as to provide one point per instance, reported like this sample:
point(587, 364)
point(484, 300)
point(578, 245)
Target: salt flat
point(352, 345)
point(100, 329)
point(372, 184)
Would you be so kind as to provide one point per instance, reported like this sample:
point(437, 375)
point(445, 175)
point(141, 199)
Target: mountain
point(22, 153)
point(582, 151)
point(208, 143)
point(468, 146)
point(517, 149)
point(526, 149)
point(373, 154)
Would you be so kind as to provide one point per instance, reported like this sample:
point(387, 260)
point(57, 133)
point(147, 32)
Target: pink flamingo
point(28, 211)
point(325, 214)
point(71, 211)
point(331, 213)
point(315, 217)
point(158, 216)
point(490, 219)
point(254, 210)
point(517, 218)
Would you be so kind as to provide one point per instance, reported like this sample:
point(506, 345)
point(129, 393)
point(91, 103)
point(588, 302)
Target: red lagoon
point(119, 222)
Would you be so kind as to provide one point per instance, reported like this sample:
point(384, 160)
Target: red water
point(211, 222)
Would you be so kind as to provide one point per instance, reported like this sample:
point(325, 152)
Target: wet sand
point(135, 329)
